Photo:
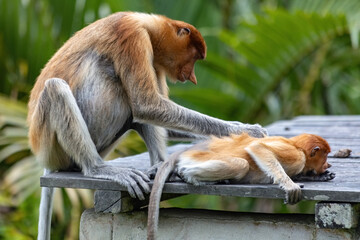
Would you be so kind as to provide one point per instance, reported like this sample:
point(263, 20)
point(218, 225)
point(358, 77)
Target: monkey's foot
point(292, 193)
point(173, 177)
point(134, 180)
point(151, 172)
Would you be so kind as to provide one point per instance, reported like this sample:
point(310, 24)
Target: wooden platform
point(340, 131)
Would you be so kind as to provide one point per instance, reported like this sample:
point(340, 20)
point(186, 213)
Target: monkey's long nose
point(329, 165)
point(192, 77)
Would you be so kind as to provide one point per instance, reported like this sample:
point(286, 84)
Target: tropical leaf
point(349, 8)
point(21, 179)
point(268, 50)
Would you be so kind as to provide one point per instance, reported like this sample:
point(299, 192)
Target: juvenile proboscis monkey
point(245, 159)
point(108, 78)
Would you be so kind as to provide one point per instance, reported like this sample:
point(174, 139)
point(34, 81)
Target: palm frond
point(268, 50)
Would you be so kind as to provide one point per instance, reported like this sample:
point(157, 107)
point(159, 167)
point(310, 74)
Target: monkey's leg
point(266, 160)
point(155, 140)
point(45, 211)
point(60, 123)
point(199, 172)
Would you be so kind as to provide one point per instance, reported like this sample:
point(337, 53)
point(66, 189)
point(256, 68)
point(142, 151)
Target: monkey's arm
point(163, 112)
point(160, 111)
point(267, 162)
point(148, 105)
point(184, 136)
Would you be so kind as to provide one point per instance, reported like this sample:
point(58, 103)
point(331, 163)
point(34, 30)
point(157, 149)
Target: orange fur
point(289, 152)
point(245, 159)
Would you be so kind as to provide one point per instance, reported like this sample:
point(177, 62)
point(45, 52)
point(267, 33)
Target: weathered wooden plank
point(340, 131)
point(335, 131)
point(319, 123)
point(117, 201)
point(343, 118)
point(324, 123)
point(336, 190)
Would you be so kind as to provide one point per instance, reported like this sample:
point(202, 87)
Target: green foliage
point(279, 66)
point(237, 204)
point(20, 186)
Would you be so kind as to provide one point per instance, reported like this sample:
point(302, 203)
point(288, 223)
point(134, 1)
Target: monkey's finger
point(286, 199)
point(292, 197)
point(296, 196)
point(136, 189)
point(141, 174)
point(130, 190)
point(141, 182)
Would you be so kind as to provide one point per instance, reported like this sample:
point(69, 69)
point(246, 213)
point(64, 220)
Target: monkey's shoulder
point(283, 148)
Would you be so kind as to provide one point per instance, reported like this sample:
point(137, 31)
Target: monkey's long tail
point(155, 196)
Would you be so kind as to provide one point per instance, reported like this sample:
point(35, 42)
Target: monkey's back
point(66, 61)
point(290, 157)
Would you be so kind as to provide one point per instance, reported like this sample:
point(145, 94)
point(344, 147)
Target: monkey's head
point(177, 48)
point(316, 150)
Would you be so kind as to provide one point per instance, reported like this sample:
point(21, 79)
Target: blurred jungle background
point(267, 60)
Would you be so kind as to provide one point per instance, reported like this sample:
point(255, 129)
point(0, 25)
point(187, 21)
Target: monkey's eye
point(183, 31)
point(314, 151)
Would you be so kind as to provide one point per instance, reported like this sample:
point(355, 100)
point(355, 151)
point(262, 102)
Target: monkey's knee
point(240, 168)
point(40, 125)
point(55, 88)
point(54, 83)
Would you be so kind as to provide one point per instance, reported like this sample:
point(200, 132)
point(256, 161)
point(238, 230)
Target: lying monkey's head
point(316, 150)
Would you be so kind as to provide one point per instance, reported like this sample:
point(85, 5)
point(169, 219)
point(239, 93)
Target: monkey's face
point(317, 161)
point(180, 47)
point(321, 165)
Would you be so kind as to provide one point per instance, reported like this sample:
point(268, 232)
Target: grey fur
point(184, 136)
point(66, 126)
point(179, 118)
point(155, 140)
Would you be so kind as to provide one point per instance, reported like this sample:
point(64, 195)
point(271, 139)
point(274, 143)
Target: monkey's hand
point(134, 180)
point(292, 193)
point(254, 130)
point(151, 172)
point(312, 176)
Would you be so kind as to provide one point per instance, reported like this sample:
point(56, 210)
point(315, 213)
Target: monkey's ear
point(183, 31)
point(314, 150)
